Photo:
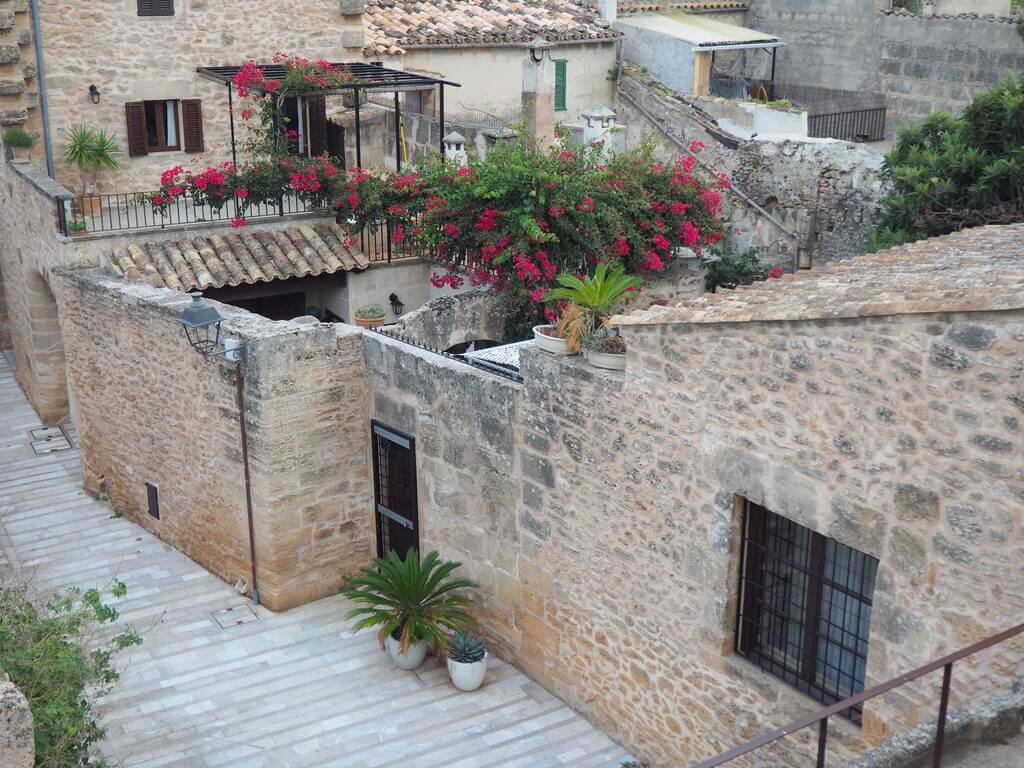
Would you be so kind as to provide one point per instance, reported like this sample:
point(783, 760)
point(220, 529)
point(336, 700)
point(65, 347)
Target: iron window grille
point(805, 607)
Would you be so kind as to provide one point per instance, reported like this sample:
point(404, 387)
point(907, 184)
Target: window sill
point(794, 703)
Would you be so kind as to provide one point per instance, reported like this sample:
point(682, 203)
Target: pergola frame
point(368, 78)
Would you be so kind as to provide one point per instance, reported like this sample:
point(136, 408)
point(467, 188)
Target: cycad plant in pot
point(415, 604)
point(588, 303)
point(467, 661)
point(90, 150)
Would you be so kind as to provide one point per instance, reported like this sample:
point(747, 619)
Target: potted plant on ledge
point(20, 142)
point(414, 603)
point(90, 150)
point(369, 316)
point(604, 351)
point(467, 661)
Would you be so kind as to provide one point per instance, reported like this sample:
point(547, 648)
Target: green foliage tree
point(59, 660)
point(955, 172)
point(410, 600)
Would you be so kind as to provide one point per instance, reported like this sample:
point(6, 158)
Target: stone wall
point(941, 62)
point(447, 321)
point(920, 63)
point(600, 511)
point(133, 58)
point(5, 318)
point(151, 410)
point(17, 739)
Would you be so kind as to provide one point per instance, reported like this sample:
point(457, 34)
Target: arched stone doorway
point(45, 377)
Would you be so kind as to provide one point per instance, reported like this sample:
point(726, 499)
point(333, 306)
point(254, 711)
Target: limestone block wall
point(600, 511)
point(17, 739)
point(132, 58)
point(447, 321)
point(151, 410)
point(5, 318)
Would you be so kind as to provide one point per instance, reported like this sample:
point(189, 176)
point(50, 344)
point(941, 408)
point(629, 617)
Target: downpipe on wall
point(44, 103)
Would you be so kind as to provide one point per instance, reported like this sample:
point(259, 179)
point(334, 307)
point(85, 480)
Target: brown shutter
point(317, 125)
point(192, 124)
point(136, 113)
point(156, 7)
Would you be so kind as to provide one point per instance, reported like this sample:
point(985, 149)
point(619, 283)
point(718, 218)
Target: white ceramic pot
point(467, 677)
point(407, 661)
point(606, 360)
point(554, 344)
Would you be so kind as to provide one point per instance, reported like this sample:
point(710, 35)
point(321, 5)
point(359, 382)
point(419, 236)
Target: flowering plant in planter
point(519, 219)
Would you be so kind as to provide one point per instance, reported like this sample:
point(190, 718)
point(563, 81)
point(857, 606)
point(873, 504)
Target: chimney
point(539, 95)
point(608, 10)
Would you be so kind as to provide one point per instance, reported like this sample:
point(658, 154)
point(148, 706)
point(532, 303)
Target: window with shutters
point(156, 7)
point(560, 84)
point(164, 126)
point(805, 607)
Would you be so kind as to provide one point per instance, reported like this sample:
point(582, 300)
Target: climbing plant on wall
point(955, 172)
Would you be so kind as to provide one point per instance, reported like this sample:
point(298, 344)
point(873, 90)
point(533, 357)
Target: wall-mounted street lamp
point(201, 322)
point(94, 94)
point(538, 47)
point(396, 304)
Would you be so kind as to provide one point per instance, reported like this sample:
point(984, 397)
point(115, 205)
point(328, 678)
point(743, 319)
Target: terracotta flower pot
point(21, 154)
point(370, 322)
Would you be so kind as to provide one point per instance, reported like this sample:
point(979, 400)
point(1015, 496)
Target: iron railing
point(379, 241)
point(820, 718)
point(128, 211)
point(852, 125)
point(484, 365)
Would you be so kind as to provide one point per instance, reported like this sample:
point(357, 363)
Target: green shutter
point(560, 85)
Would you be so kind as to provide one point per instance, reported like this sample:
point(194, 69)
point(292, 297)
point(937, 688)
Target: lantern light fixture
point(396, 304)
point(94, 94)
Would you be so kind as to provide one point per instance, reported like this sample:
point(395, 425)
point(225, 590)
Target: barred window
point(805, 607)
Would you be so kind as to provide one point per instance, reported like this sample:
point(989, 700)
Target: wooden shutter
point(192, 125)
point(317, 115)
point(156, 7)
point(560, 85)
point(136, 115)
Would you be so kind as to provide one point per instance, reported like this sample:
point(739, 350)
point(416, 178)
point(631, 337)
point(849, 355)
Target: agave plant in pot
point(415, 604)
point(467, 661)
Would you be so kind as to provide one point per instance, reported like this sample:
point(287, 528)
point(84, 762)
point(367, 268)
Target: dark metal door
point(336, 141)
point(394, 487)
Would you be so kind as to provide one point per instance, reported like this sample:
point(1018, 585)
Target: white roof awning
point(701, 31)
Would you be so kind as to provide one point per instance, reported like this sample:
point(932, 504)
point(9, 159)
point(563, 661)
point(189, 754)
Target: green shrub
point(55, 654)
point(370, 312)
point(19, 138)
point(954, 172)
point(730, 269)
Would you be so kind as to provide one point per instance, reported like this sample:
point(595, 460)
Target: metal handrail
point(821, 716)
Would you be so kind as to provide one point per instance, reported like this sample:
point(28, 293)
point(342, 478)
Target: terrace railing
point(380, 243)
point(851, 125)
point(129, 211)
point(821, 717)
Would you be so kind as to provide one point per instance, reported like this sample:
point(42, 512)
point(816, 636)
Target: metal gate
point(394, 488)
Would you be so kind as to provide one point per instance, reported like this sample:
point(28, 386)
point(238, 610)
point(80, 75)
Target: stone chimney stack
point(352, 28)
point(539, 95)
point(608, 10)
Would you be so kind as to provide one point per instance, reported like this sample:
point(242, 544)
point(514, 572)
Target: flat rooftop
point(975, 270)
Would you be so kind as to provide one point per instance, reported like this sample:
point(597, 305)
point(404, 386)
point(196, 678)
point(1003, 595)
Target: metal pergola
point(368, 78)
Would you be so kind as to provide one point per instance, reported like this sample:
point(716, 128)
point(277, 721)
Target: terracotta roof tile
point(627, 7)
point(974, 270)
point(245, 257)
point(391, 26)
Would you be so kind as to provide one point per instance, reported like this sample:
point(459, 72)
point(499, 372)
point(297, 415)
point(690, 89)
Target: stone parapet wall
point(448, 321)
point(151, 410)
point(17, 738)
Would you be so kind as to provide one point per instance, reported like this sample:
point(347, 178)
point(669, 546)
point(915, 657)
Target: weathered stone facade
point(17, 739)
point(447, 321)
point(151, 410)
point(136, 58)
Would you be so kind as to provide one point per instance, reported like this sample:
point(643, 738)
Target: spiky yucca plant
point(466, 649)
point(410, 600)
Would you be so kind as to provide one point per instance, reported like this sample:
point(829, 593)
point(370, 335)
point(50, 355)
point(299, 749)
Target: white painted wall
point(746, 118)
point(668, 58)
point(492, 78)
point(410, 281)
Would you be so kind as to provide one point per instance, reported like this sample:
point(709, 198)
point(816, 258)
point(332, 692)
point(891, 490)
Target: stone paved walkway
point(284, 690)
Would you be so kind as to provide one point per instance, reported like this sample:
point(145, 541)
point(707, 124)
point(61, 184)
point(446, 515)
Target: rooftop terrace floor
point(290, 689)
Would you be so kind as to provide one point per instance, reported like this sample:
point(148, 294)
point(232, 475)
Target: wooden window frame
point(756, 615)
point(154, 8)
point(161, 127)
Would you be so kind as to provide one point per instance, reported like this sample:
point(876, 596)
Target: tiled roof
point(687, 6)
point(970, 271)
point(391, 26)
point(247, 256)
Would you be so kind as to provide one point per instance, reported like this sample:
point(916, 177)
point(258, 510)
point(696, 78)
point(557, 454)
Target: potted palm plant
point(370, 316)
point(467, 661)
point(589, 303)
point(20, 142)
point(414, 603)
point(90, 150)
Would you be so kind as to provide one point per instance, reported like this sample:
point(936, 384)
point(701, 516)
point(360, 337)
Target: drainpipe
point(240, 396)
point(44, 105)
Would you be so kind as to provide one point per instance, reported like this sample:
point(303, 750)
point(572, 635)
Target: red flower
point(661, 242)
point(238, 221)
point(679, 208)
point(158, 199)
point(689, 234)
point(652, 262)
point(353, 200)
point(451, 230)
point(587, 205)
point(566, 154)
point(776, 273)
point(397, 234)
point(537, 295)
point(696, 146)
point(622, 245)
point(242, 193)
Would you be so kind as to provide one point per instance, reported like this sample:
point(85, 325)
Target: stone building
point(871, 407)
